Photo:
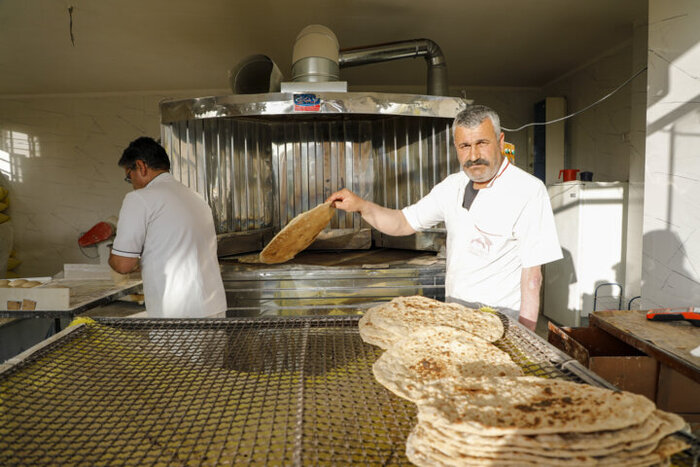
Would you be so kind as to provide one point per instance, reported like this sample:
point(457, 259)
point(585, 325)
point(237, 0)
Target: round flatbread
point(298, 234)
point(374, 335)
point(437, 353)
point(385, 324)
point(529, 405)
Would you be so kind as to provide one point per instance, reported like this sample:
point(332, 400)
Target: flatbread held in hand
point(297, 235)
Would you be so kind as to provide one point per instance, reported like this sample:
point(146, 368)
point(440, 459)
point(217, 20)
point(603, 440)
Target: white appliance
point(591, 220)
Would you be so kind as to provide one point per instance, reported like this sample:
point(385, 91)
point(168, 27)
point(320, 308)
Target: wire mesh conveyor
point(277, 391)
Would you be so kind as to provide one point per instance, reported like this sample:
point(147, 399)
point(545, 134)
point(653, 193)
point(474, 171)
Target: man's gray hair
point(472, 116)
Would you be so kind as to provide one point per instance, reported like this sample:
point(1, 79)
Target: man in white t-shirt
point(500, 227)
point(171, 229)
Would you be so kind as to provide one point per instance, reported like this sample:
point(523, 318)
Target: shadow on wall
point(558, 278)
point(667, 281)
point(678, 30)
point(669, 275)
point(606, 295)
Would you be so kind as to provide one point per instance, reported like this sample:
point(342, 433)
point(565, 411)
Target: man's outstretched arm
point(386, 220)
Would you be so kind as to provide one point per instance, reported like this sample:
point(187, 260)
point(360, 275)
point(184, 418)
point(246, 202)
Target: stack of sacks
point(475, 407)
point(4, 203)
point(12, 263)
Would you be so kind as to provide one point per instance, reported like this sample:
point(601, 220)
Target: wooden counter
point(670, 342)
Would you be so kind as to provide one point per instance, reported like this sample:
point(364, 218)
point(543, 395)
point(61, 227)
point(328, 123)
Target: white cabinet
point(591, 222)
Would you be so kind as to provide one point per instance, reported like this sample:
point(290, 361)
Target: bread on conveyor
point(386, 324)
point(439, 353)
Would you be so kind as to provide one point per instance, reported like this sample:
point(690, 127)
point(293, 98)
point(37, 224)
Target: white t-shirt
point(171, 228)
point(509, 226)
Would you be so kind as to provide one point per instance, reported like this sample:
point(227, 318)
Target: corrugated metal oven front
point(259, 162)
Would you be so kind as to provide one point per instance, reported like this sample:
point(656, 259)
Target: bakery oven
point(260, 159)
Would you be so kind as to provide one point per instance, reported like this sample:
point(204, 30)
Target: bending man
point(171, 229)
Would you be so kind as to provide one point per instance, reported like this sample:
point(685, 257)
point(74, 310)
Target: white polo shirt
point(171, 228)
point(509, 226)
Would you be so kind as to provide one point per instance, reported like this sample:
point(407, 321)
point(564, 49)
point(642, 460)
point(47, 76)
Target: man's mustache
point(476, 162)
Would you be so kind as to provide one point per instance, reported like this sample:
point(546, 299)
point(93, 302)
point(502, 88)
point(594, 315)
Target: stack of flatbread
point(529, 420)
point(475, 407)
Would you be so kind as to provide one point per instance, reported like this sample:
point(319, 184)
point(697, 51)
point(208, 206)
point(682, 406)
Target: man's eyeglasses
point(127, 179)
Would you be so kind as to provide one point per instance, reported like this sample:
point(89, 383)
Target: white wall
point(635, 199)
point(609, 138)
point(598, 140)
point(671, 264)
point(58, 157)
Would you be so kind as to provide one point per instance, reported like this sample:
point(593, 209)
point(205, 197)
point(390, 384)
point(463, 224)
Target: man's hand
point(388, 221)
point(347, 201)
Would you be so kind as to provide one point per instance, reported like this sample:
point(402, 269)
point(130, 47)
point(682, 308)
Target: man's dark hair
point(147, 150)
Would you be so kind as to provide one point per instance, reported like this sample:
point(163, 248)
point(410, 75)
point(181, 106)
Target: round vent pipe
point(437, 66)
point(315, 55)
point(255, 74)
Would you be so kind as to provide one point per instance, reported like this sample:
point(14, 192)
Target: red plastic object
point(569, 174)
point(98, 233)
point(691, 314)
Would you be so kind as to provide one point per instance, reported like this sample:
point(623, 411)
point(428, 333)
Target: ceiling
point(167, 45)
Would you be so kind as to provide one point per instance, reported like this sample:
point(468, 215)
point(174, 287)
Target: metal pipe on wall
point(437, 65)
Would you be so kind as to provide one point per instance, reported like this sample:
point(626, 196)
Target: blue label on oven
point(307, 103)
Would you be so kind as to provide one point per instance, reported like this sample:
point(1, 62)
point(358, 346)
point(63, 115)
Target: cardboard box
point(678, 393)
point(620, 364)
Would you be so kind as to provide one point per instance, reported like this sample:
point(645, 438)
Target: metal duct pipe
point(437, 66)
point(315, 55)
